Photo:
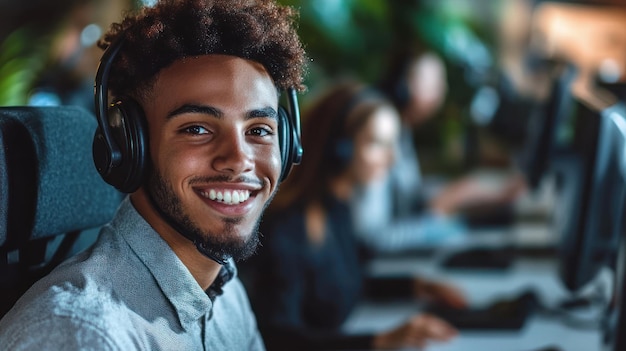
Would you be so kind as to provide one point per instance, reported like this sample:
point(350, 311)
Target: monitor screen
point(615, 321)
point(592, 192)
point(541, 133)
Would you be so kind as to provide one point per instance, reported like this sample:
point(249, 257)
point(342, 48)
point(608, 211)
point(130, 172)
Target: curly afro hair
point(155, 37)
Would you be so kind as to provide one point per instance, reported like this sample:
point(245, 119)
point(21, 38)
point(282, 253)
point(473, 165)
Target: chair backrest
point(4, 192)
point(50, 192)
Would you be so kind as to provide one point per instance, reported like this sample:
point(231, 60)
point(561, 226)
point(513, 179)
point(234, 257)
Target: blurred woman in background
point(309, 276)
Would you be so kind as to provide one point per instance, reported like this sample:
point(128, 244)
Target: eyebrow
point(265, 112)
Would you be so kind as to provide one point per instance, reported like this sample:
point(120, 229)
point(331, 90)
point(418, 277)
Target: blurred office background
point(498, 60)
point(48, 57)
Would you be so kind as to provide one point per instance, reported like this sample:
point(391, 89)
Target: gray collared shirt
point(129, 292)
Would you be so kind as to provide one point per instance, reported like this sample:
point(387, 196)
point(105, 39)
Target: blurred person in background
point(67, 77)
point(309, 274)
point(401, 211)
point(49, 52)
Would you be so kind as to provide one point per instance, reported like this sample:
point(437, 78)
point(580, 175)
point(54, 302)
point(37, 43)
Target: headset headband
point(102, 101)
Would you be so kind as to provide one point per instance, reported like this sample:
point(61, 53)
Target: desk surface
point(482, 287)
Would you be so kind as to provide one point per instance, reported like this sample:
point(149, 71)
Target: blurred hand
point(513, 188)
point(457, 194)
point(415, 332)
point(439, 292)
point(470, 191)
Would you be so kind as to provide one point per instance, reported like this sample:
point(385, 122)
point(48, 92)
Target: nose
point(234, 155)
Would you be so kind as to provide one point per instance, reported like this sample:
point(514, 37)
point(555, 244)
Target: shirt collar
point(171, 275)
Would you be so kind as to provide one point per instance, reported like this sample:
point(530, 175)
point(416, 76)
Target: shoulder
point(63, 317)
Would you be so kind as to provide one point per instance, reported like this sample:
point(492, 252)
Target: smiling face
point(214, 151)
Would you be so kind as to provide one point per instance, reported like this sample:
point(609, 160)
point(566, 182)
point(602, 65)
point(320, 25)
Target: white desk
point(481, 288)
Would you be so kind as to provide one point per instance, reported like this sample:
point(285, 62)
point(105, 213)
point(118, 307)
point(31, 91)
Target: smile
point(229, 197)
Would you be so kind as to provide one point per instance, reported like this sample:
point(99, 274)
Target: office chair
point(50, 193)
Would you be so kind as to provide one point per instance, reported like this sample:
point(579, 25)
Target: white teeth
point(228, 197)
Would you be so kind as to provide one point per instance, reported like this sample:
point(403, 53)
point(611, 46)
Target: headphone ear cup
point(128, 127)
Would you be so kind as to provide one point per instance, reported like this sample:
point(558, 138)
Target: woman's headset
point(120, 145)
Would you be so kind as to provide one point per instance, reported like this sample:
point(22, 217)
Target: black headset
point(120, 145)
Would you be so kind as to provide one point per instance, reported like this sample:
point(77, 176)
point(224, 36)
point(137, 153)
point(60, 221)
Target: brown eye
point(197, 130)
point(260, 131)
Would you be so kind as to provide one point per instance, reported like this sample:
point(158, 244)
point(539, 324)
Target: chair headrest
point(49, 184)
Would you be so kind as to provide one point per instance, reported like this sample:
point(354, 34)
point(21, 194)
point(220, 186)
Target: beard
point(222, 245)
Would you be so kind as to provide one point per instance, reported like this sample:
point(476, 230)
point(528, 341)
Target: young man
point(205, 78)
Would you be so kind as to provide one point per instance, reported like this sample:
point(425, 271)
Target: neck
point(203, 269)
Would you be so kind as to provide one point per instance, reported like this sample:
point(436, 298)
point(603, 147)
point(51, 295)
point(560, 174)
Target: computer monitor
point(592, 193)
point(614, 137)
point(542, 127)
point(615, 317)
